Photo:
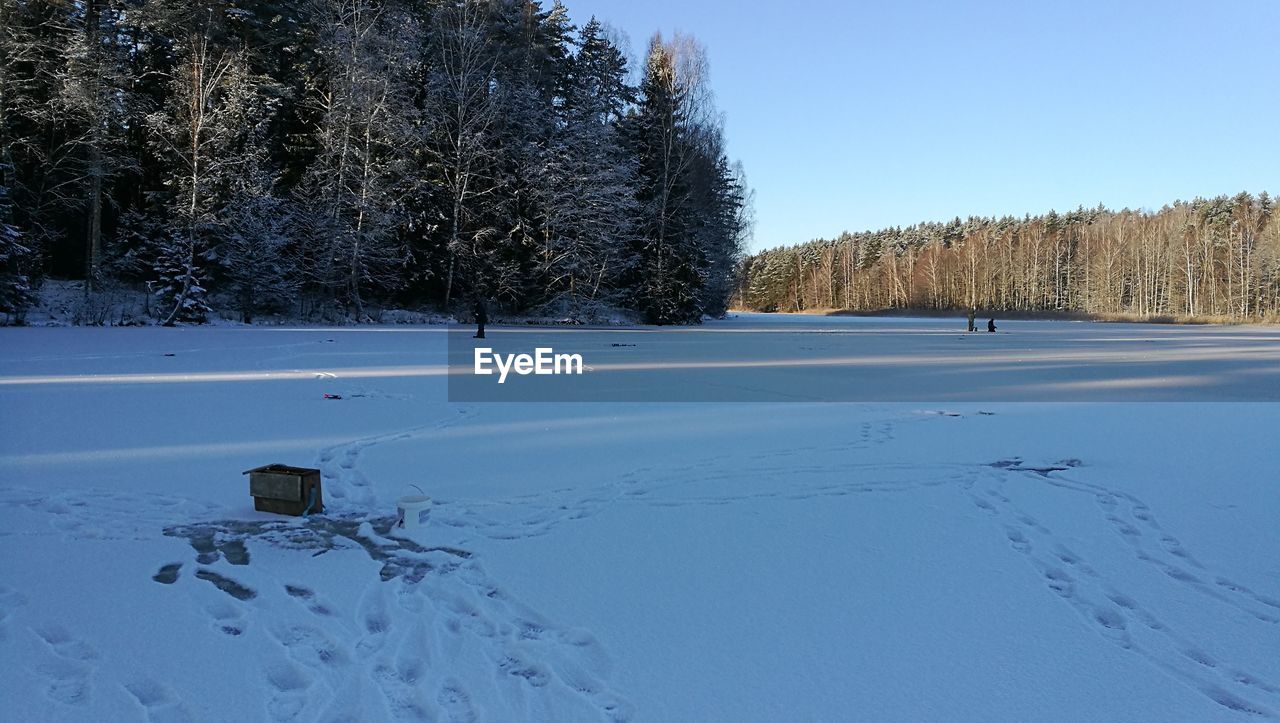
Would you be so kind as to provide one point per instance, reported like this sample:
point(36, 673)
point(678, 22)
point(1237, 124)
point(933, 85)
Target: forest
point(322, 159)
point(1216, 258)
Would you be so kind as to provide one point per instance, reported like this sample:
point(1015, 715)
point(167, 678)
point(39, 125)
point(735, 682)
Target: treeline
point(319, 158)
point(1218, 257)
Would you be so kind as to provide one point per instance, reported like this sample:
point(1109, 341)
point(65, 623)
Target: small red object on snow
point(333, 396)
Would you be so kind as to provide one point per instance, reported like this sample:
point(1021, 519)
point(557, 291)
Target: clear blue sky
point(864, 114)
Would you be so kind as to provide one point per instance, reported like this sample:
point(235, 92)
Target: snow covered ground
point(924, 555)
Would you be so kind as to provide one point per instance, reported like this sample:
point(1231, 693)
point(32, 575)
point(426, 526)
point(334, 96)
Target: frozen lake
point(763, 357)
point(714, 542)
point(751, 357)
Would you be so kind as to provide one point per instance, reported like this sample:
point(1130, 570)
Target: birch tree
point(356, 190)
point(191, 133)
point(462, 76)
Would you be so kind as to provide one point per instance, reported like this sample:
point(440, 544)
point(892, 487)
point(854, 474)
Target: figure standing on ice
point(972, 313)
point(482, 317)
point(991, 325)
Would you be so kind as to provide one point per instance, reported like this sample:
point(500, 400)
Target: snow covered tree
point(53, 58)
point(209, 136)
point(190, 134)
point(597, 81)
point(669, 273)
point(338, 151)
point(64, 99)
point(179, 291)
point(16, 294)
point(724, 228)
point(461, 88)
point(586, 184)
point(21, 51)
point(355, 192)
point(255, 256)
point(93, 107)
point(530, 77)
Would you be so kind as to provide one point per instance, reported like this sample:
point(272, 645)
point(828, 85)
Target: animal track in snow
point(1118, 616)
point(425, 604)
point(1133, 521)
point(320, 534)
point(429, 606)
point(538, 514)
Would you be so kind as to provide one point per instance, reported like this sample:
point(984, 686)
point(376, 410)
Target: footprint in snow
point(456, 702)
point(10, 601)
point(64, 665)
point(399, 675)
point(61, 642)
point(310, 646)
point(308, 597)
point(168, 574)
point(374, 621)
point(287, 688)
point(227, 618)
point(227, 585)
point(157, 700)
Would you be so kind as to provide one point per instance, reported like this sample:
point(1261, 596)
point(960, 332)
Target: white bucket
point(412, 512)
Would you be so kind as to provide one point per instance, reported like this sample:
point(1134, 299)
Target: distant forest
point(319, 159)
point(1217, 258)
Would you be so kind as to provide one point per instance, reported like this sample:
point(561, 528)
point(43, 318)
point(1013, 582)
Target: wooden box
point(286, 490)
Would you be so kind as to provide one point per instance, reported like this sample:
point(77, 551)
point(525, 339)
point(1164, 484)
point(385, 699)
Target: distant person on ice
point(972, 312)
point(482, 318)
point(991, 325)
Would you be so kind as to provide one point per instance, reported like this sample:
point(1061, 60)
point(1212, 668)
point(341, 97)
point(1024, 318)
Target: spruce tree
point(16, 294)
point(667, 278)
point(587, 182)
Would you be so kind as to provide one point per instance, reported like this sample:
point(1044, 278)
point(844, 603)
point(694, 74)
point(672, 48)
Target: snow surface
point(896, 560)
